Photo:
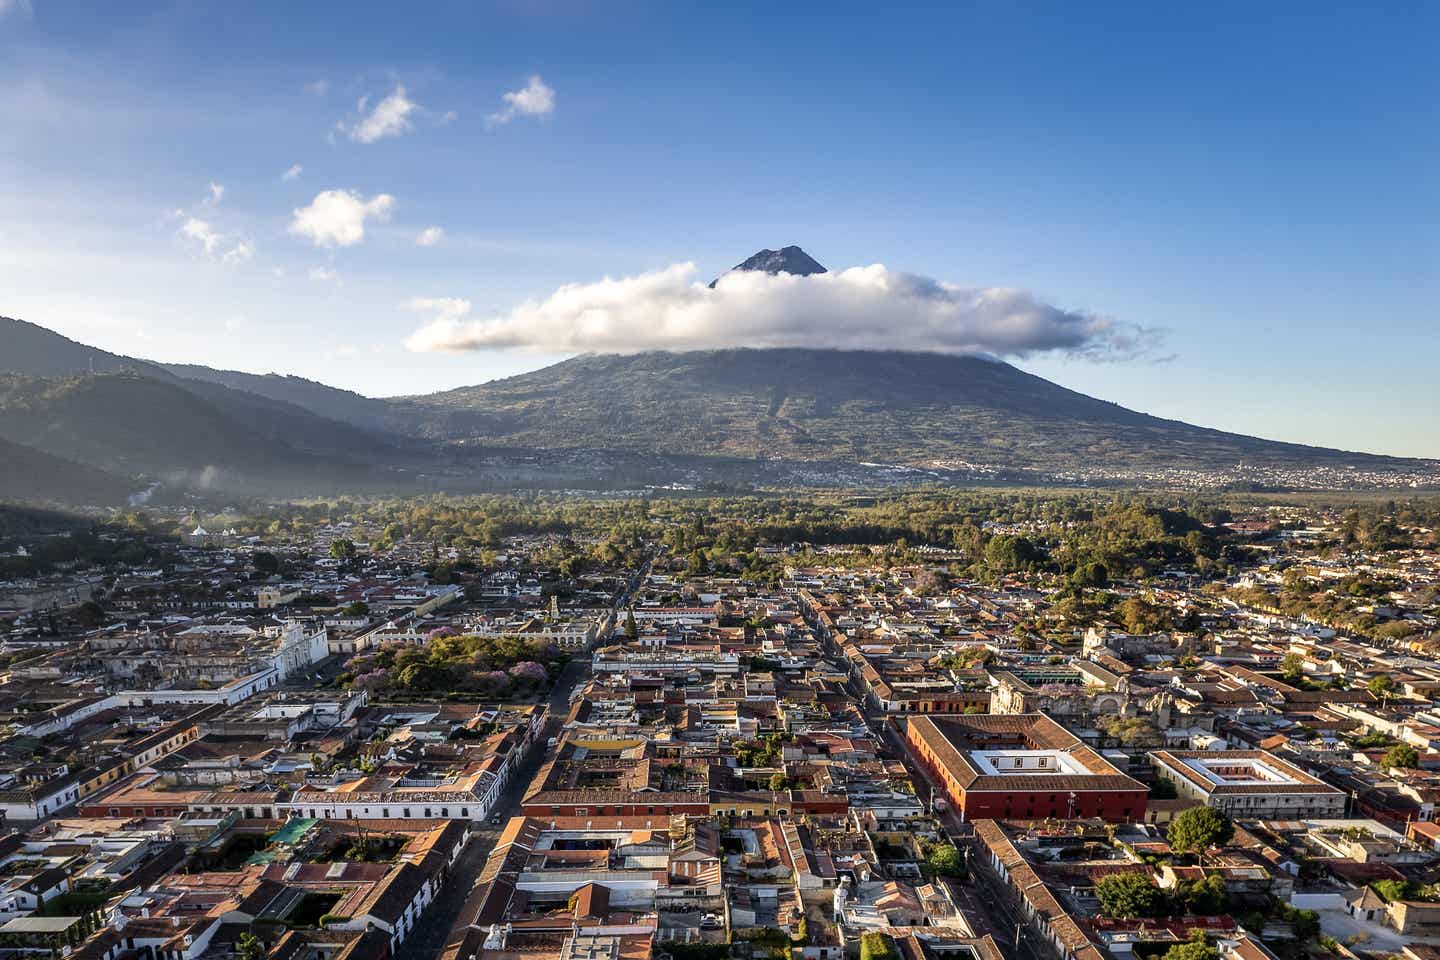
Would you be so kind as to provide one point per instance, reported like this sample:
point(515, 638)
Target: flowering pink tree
point(374, 680)
point(529, 670)
point(360, 663)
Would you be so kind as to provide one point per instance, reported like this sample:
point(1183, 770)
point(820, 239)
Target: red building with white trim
point(1021, 767)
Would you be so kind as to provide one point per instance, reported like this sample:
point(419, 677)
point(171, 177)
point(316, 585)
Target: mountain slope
point(33, 351)
point(197, 425)
point(894, 407)
point(791, 260)
point(28, 474)
point(319, 399)
point(133, 424)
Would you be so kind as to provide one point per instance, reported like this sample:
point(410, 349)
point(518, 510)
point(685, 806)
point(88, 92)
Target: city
point(558, 480)
point(686, 728)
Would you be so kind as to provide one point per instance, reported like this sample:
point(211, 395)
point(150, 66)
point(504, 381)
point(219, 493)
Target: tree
point(1132, 730)
point(946, 860)
point(1007, 554)
point(778, 782)
point(1141, 617)
point(249, 947)
point(1091, 575)
point(90, 614)
point(1402, 755)
point(631, 630)
point(1292, 668)
point(1125, 896)
point(1305, 923)
point(1381, 686)
point(1198, 829)
point(1191, 950)
point(1394, 890)
point(357, 609)
point(1206, 897)
point(265, 563)
point(342, 550)
point(877, 946)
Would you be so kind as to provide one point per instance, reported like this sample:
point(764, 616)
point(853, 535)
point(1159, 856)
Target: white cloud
point(243, 251)
point(324, 275)
point(202, 233)
point(217, 193)
point(862, 308)
point(293, 173)
point(16, 6)
point(317, 88)
point(442, 309)
point(535, 99)
point(216, 245)
point(430, 236)
point(336, 218)
point(390, 118)
point(446, 118)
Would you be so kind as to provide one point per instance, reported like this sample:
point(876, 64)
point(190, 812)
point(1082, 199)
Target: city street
point(433, 928)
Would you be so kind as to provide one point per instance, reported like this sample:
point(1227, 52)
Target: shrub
point(877, 946)
point(1198, 829)
point(1125, 896)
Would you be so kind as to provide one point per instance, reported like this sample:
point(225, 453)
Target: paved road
point(990, 908)
point(433, 929)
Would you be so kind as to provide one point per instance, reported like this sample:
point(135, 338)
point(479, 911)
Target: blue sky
point(1257, 182)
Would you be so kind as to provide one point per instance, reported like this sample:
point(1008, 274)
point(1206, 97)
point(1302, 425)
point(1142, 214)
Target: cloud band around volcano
point(862, 308)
